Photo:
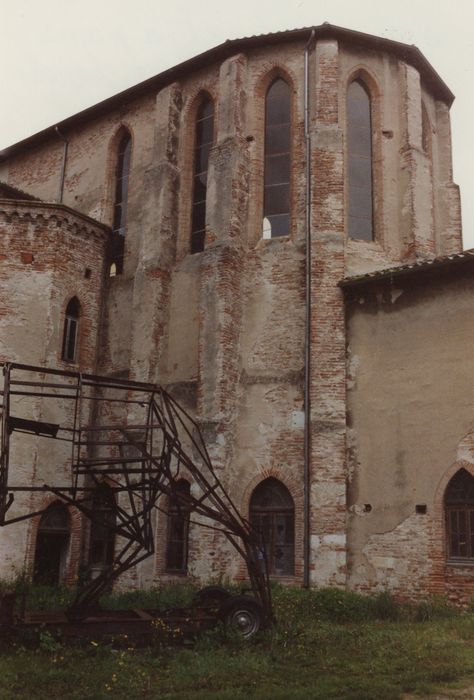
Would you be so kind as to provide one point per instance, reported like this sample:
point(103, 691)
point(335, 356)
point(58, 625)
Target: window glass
point(121, 184)
point(272, 515)
point(277, 165)
point(178, 529)
point(102, 536)
point(204, 138)
point(71, 331)
point(359, 163)
point(459, 506)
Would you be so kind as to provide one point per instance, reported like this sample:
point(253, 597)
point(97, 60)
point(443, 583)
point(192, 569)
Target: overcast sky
point(60, 56)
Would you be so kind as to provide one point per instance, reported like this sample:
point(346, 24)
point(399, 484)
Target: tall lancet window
point(121, 183)
point(203, 142)
point(71, 330)
point(276, 198)
point(359, 162)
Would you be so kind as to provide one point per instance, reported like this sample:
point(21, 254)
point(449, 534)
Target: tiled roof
point(411, 268)
point(9, 192)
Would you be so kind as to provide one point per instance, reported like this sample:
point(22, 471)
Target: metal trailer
point(139, 440)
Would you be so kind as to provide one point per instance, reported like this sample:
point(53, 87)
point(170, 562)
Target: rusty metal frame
point(141, 441)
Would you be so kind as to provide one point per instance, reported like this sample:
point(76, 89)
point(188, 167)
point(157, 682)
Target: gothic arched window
point(425, 130)
point(203, 142)
point(71, 330)
point(52, 545)
point(359, 162)
point(102, 535)
point(277, 165)
point(178, 529)
point(122, 171)
point(459, 509)
point(272, 514)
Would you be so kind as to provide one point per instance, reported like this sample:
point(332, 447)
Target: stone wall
point(224, 329)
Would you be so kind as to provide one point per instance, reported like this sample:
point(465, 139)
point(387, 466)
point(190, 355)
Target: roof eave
point(406, 52)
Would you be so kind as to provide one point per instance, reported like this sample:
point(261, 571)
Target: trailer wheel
point(212, 596)
point(243, 615)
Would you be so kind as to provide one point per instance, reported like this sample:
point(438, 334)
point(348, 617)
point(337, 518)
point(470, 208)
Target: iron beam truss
point(136, 438)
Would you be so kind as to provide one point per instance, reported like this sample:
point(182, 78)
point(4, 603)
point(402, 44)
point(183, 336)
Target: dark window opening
point(277, 166)
point(178, 529)
point(71, 331)
point(425, 130)
point(459, 510)
point(102, 535)
point(204, 139)
point(272, 514)
point(122, 172)
point(359, 163)
point(52, 545)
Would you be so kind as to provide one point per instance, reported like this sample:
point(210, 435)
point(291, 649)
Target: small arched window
point(122, 171)
point(359, 162)
point(277, 165)
point(178, 529)
point(71, 330)
point(203, 142)
point(272, 514)
point(52, 545)
point(459, 509)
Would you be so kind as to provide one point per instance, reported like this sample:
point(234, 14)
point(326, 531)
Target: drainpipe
point(63, 166)
point(307, 348)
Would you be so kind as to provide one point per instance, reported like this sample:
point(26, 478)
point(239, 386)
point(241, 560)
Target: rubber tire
point(243, 615)
point(212, 596)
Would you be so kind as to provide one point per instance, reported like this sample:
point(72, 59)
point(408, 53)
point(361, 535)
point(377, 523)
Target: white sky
point(61, 56)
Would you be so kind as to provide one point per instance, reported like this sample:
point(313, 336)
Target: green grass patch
point(326, 644)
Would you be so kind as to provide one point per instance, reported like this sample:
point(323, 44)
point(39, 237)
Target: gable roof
point(409, 53)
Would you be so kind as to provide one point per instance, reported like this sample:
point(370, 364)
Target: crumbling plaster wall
point(410, 398)
point(48, 255)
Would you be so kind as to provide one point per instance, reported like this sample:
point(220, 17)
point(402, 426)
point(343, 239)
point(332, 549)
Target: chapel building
point(271, 231)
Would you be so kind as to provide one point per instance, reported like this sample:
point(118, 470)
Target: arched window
point(122, 171)
point(203, 141)
point(359, 162)
point(277, 166)
point(52, 544)
point(459, 509)
point(272, 513)
point(102, 535)
point(178, 529)
point(71, 330)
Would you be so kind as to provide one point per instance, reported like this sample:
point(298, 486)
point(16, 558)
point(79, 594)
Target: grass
point(327, 644)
